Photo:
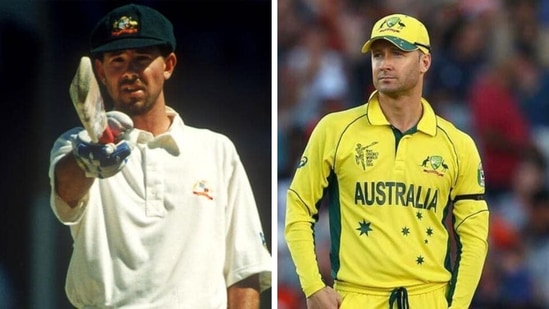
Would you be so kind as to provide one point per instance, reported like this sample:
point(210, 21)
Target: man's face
point(394, 71)
point(134, 78)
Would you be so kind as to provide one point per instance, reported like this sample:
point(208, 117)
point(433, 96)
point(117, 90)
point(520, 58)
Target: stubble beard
point(135, 107)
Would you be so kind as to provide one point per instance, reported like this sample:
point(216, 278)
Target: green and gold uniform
point(389, 196)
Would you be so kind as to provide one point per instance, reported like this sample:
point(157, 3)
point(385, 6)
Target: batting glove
point(104, 160)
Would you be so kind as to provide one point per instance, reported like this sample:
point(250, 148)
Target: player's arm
point(299, 233)
point(71, 183)
point(61, 174)
point(304, 193)
point(75, 163)
point(471, 228)
point(74, 173)
point(472, 233)
point(244, 294)
point(248, 262)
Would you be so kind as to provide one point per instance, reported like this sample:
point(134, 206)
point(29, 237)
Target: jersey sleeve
point(64, 213)
point(303, 196)
point(470, 225)
point(246, 249)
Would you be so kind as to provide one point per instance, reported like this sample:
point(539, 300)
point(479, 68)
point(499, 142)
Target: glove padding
point(104, 160)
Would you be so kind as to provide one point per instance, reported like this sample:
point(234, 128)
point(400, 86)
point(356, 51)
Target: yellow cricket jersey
point(389, 195)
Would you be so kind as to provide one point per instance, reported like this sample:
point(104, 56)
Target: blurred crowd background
point(490, 76)
point(222, 82)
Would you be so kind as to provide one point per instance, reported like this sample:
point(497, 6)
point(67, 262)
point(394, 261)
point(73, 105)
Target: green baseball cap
point(131, 26)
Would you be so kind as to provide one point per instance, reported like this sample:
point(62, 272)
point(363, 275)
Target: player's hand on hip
point(325, 298)
point(105, 160)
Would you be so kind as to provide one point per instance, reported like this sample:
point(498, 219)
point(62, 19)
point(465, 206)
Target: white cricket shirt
point(173, 229)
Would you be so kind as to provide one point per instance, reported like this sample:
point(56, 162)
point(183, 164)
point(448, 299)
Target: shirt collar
point(427, 123)
point(167, 140)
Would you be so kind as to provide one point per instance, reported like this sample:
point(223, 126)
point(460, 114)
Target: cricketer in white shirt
point(173, 229)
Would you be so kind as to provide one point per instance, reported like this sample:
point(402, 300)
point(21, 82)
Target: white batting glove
point(105, 160)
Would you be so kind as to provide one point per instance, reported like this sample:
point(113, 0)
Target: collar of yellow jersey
point(427, 123)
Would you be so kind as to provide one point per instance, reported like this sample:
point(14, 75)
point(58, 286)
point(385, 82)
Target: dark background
point(222, 81)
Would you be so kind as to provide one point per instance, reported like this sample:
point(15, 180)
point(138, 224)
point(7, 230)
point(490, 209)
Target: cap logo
point(124, 25)
point(392, 22)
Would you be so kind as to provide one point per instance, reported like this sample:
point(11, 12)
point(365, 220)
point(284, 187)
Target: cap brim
point(127, 43)
point(398, 42)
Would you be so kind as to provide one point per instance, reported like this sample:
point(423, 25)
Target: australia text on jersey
point(395, 193)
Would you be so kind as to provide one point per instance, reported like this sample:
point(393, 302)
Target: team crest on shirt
point(201, 188)
point(434, 165)
point(364, 156)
